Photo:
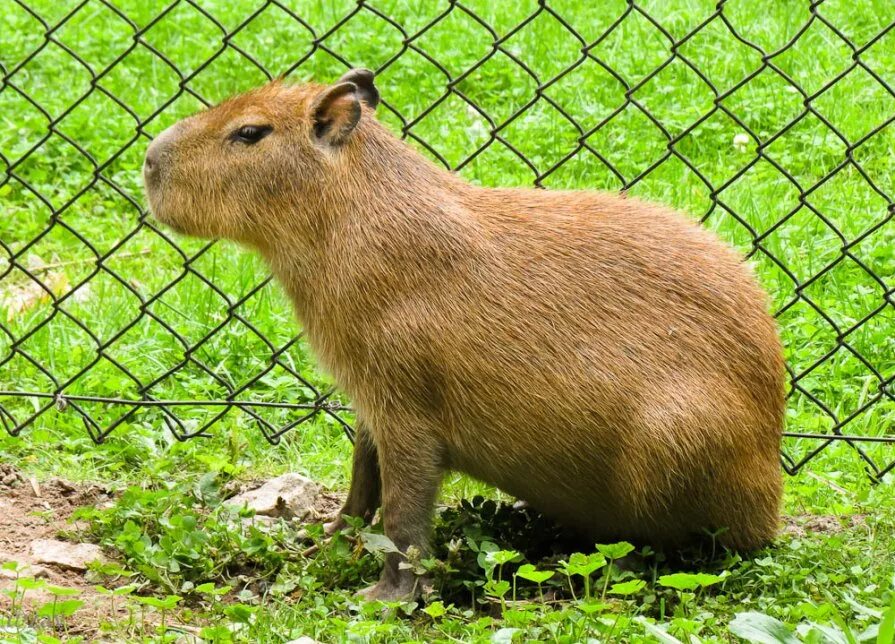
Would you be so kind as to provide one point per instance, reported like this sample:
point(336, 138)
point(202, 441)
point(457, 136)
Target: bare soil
point(802, 525)
point(31, 510)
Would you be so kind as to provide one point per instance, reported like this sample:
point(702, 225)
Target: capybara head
point(211, 175)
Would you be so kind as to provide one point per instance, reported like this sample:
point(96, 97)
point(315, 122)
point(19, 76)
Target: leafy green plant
point(163, 606)
point(183, 534)
point(584, 566)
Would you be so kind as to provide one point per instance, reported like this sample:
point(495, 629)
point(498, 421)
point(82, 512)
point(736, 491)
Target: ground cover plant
point(770, 123)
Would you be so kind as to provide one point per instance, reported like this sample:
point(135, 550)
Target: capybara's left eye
point(251, 133)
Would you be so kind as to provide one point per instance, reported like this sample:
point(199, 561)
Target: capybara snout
point(606, 359)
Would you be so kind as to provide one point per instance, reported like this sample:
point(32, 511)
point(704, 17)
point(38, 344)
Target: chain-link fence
point(771, 121)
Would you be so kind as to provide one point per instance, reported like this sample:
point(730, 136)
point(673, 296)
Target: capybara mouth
point(157, 213)
point(168, 223)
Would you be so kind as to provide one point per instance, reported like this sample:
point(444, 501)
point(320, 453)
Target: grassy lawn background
point(778, 141)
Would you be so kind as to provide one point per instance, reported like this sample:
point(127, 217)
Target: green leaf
point(584, 565)
point(501, 557)
point(658, 632)
point(240, 613)
point(435, 610)
point(690, 581)
point(374, 542)
point(48, 639)
point(761, 629)
point(30, 583)
point(886, 633)
point(216, 634)
point(61, 591)
point(167, 603)
point(113, 570)
point(628, 587)
point(591, 606)
point(531, 573)
point(125, 590)
point(504, 635)
point(210, 589)
point(497, 588)
point(60, 609)
point(827, 635)
point(615, 550)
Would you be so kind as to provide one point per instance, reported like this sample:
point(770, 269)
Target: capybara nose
point(152, 160)
point(157, 152)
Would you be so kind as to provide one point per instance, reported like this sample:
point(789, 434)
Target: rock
point(286, 496)
point(74, 556)
point(63, 486)
point(25, 570)
point(24, 567)
point(260, 521)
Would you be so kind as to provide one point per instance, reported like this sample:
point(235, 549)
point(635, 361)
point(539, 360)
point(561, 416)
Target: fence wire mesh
point(771, 121)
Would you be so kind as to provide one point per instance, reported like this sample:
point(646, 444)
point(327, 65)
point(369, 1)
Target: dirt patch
point(326, 507)
point(802, 525)
point(31, 511)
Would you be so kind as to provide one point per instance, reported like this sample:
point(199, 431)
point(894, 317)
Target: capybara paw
point(334, 526)
point(406, 589)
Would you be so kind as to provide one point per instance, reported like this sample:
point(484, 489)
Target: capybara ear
point(335, 112)
point(366, 90)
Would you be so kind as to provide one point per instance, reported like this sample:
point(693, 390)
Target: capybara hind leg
point(411, 475)
point(365, 493)
point(751, 509)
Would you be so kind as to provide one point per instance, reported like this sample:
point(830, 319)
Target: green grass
point(796, 196)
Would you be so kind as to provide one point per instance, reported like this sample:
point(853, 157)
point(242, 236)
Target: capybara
point(607, 360)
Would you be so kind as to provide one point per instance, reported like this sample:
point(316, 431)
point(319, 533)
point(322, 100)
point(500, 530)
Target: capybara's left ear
point(335, 113)
point(366, 90)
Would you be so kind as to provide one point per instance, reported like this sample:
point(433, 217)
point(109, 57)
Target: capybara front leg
point(411, 475)
point(365, 493)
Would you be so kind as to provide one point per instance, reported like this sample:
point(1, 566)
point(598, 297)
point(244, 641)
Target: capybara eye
point(251, 133)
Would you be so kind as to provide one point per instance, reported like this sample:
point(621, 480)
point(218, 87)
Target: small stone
point(286, 496)
point(74, 556)
point(24, 568)
point(64, 486)
point(259, 521)
point(6, 557)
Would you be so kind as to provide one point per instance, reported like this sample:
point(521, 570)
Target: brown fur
point(605, 359)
